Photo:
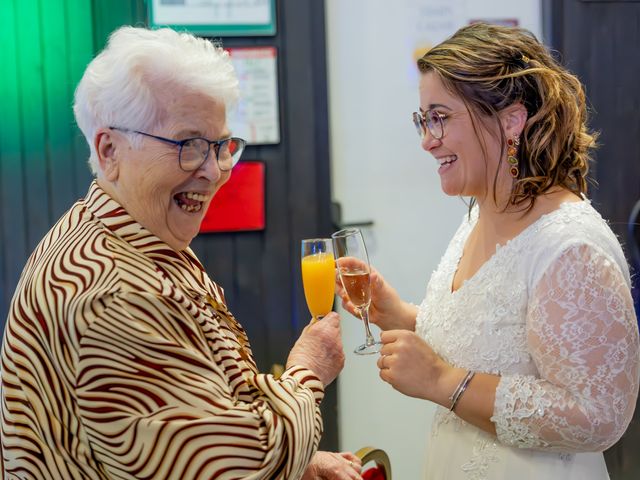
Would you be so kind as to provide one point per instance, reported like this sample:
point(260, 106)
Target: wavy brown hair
point(490, 67)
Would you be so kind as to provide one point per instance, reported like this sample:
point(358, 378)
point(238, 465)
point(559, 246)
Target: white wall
point(380, 173)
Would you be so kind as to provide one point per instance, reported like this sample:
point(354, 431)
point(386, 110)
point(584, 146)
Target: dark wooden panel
point(220, 261)
point(303, 124)
point(598, 41)
point(249, 283)
point(603, 53)
point(317, 52)
point(610, 1)
point(306, 125)
point(276, 259)
point(275, 318)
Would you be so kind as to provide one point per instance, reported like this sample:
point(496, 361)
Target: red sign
point(239, 204)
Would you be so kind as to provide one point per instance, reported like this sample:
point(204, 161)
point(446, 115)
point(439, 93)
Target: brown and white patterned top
point(121, 360)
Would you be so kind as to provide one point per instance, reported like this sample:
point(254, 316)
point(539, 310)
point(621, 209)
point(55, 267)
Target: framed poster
point(256, 117)
point(215, 17)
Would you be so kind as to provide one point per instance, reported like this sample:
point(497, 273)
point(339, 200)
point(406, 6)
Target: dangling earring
point(512, 149)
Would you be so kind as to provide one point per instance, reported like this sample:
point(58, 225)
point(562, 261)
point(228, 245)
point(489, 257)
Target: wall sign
point(215, 17)
point(256, 118)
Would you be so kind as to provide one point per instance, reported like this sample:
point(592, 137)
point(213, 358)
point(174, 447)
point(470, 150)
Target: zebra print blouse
point(120, 360)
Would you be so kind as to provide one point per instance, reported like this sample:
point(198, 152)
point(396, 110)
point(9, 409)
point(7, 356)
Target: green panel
point(79, 34)
point(58, 114)
point(111, 14)
point(12, 219)
point(30, 69)
point(10, 149)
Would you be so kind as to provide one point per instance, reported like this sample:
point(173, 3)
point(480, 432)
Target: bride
point(526, 338)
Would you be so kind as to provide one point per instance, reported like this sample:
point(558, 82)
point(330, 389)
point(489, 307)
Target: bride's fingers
point(348, 306)
point(377, 281)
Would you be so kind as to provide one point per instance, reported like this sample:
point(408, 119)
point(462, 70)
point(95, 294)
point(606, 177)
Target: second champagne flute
point(353, 267)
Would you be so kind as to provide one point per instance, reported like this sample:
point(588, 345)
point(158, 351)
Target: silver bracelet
point(462, 386)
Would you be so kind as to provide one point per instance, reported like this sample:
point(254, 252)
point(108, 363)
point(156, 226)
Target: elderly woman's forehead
point(190, 105)
point(202, 124)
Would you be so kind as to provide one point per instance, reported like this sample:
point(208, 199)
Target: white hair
point(123, 85)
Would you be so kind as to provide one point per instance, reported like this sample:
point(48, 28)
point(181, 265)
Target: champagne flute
point(353, 267)
point(318, 275)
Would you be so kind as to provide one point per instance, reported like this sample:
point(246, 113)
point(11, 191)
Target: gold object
point(380, 457)
point(277, 369)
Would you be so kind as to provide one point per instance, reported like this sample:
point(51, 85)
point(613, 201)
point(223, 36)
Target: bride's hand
point(410, 365)
point(388, 311)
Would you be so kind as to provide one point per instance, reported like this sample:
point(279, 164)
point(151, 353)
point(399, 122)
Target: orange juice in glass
point(318, 275)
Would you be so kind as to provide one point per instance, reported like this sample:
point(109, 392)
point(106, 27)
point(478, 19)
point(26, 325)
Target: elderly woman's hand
point(329, 466)
point(411, 366)
point(319, 348)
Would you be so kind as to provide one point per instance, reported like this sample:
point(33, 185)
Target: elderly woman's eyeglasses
point(431, 120)
point(193, 152)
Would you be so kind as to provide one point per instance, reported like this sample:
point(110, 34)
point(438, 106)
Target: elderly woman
point(120, 358)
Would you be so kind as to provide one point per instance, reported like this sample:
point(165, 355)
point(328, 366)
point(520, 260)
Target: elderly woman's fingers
point(354, 461)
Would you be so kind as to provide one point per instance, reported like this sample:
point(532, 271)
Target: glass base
point(368, 349)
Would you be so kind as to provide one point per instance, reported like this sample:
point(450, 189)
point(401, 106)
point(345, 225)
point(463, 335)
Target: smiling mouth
point(448, 160)
point(190, 202)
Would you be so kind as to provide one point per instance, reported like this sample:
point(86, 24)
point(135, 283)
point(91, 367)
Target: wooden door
point(599, 41)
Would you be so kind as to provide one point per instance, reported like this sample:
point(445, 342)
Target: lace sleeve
point(583, 336)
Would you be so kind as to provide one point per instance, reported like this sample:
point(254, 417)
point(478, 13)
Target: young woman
point(527, 336)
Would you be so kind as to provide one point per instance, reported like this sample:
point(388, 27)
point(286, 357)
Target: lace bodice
point(551, 313)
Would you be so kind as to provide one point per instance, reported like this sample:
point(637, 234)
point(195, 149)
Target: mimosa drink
point(319, 279)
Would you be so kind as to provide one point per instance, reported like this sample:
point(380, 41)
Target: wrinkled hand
point(319, 349)
point(411, 366)
point(387, 310)
point(329, 465)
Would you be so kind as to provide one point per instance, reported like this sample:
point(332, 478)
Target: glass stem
point(364, 314)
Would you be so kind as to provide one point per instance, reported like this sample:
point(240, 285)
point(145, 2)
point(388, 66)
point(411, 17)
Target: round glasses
point(430, 120)
point(195, 151)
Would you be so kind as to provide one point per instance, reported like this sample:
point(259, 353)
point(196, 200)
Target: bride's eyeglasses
point(431, 120)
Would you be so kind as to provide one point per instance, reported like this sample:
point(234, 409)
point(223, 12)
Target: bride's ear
point(513, 119)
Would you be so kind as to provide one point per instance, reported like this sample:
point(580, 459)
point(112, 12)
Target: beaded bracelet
point(462, 386)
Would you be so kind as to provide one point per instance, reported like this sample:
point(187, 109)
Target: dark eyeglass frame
point(431, 120)
point(180, 143)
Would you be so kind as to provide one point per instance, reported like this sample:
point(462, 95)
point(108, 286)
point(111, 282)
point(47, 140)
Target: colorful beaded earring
point(512, 149)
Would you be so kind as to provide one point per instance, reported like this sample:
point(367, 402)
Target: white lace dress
point(551, 313)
